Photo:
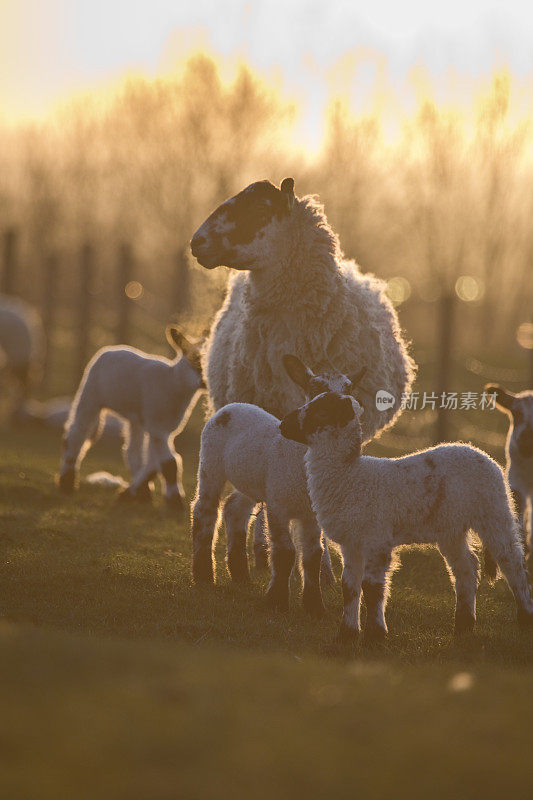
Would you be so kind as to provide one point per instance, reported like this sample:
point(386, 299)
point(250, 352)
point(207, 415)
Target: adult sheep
point(294, 292)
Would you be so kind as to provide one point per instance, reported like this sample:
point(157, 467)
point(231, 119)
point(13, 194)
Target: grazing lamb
point(242, 444)
point(370, 505)
point(518, 452)
point(154, 396)
point(294, 293)
point(21, 340)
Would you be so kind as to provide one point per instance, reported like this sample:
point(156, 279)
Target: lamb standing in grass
point(370, 505)
point(518, 452)
point(242, 444)
point(154, 396)
point(294, 293)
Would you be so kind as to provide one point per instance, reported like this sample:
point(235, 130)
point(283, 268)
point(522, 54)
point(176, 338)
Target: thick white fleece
point(305, 299)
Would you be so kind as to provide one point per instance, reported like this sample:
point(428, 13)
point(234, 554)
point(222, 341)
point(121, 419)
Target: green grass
point(119, 679)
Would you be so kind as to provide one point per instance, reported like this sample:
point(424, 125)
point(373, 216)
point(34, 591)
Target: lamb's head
point(519, 408)
point(190, 351)
point(244, 231)
point(328, 381)
point(329, 414)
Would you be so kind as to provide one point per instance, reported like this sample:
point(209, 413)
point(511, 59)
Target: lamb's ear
point(297, 371)
point(177, 339)
point(287, 188)
point(504, 399)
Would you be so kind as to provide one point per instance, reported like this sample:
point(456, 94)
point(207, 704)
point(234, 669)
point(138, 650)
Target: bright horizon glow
point(53, 48)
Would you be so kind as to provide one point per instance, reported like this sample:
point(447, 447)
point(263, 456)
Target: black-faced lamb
point(153, 395)
point(294, 292)
point(518, 452)
point(242, 444)
point(370, 505)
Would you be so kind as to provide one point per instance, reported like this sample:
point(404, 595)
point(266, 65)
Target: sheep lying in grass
point(154, 396)
point(242, 444)
point(370, 505)
point(294, 292)
point(518, 452)
point(21, 338)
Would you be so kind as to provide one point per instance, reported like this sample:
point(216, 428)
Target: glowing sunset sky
point(51, 47)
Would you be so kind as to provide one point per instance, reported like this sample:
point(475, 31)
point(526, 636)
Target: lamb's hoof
point(67, 481)
point(238, 566)
point(464, 622)
point(202, 567)
point(327, 576)
point(261, 556)
point(524, 618)
point(175, 502)
point(374, 634)
point(312, 603)
point(347, 635)
point(277, 598)
point(142, 494)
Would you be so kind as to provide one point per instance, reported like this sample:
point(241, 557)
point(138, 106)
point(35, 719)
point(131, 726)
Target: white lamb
point(242, 444)
point(518, 452)
point(294, 293)
point(155, 398)
point(370, 505)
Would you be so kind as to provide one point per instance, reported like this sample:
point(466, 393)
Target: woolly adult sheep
point(518, 452)
point(294, 293)
point(370, 505)
point(21, 341)
point(153, 395)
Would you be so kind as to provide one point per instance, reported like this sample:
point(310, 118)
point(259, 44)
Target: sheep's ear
point(177, 339)
point(297, 371)
point(287, 189)
point(504, 399)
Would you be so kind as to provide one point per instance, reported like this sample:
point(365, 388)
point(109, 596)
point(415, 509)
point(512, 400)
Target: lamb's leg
point(133, 448)
point(501, 537)
point(282, 556)
point(261, 540)
point(352, 578)
point(76, 442)
point(464, 570)
point(520, 508)
point(204, 523)
point(376, 593)
point(237, 511)
point(139, 488)
point(312, 558)
point(170, 465)
point(327, 576)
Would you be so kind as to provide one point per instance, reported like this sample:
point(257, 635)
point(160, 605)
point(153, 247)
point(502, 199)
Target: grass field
point(119, 679)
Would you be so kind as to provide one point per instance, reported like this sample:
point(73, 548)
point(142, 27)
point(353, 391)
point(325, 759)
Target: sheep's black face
point(235, 233)
point(328, 410)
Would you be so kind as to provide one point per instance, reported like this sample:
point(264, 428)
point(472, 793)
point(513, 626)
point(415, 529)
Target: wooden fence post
point(9, 261)
point(84, 306)
point(49, 305)
point(445, 342)
point(124, 274)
